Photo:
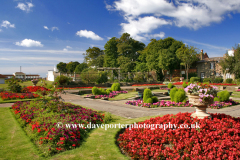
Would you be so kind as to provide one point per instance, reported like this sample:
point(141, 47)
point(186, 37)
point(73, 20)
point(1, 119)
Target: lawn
point(124, 96)
point(27, 83)
point(101, 143)
point(235, 94)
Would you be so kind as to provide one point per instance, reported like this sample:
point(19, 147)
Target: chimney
point(201, 55)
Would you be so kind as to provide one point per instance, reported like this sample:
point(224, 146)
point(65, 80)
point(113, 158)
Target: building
point(22, 76)
point(52, 74)
point(2, 79)
point(210, 68)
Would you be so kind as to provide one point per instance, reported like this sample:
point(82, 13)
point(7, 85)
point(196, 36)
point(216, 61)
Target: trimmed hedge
point(184, 85)
point(194, 79)
point(116, 87)
point(222, 96)
point(229, 80)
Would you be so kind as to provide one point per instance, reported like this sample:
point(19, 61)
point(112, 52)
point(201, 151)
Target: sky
point(38, 34)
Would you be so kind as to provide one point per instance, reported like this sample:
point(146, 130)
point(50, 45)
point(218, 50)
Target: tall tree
point(80, 67)
point(126, 64)
point(231, 63)
point(111, 54)
point(188, 55)
point(92, 54)
point(71, 66)
point(62, 67)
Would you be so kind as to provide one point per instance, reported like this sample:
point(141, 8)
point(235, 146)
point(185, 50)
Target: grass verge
point(123, 96)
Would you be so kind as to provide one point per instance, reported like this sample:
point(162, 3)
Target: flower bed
point(216, 84)
point(34, 89)
point(39, 121)
point(215, 139)
point(11, 96)
point(146, 84)
point(111, 95)
point(76, 87)
point(163, 103)
point(238, 90)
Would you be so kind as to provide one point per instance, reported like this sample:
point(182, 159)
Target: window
point(211, 65)
point(228, 75)
point(202, 74)
point(183, 72)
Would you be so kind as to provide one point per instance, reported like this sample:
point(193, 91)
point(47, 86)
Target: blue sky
point(38, 34)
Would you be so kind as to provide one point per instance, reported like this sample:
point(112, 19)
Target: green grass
point(158, 90)
point(235, 94)
point(123, 96)
point(27, 83)
point(15, 100)
point(101, 143)
point(14, 143)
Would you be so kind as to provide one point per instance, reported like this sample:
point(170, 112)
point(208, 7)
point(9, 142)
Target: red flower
point(74, 145)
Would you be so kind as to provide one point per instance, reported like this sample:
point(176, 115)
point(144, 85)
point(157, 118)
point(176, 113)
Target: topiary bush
point(146, 95)
point(206, 80)
point(194, 79)
point(184, 85)
point(62, 79)
point(95, 91)
point(229, 80)
point(179, 96)
point(154, 99)
point(223, 96)
point(176, 79)
point(170, 85)
point(108, 91)
point(172, 93)
point(116, 87)
point(149, 100)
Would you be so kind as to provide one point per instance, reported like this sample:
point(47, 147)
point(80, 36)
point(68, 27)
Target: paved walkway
point(128, 111)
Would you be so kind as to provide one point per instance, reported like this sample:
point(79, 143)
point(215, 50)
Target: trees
point(71, 66)
point(62, 67)
point(111, 54)
point(92, 54)
point(231, 64)
point(188, 55)
point(80, 67)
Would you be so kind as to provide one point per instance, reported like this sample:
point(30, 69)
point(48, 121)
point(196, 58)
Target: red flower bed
point(215, 139)
point(216, 84)
point(146, 84)
point(76, 87)
point(34, 89)
point(10, 95)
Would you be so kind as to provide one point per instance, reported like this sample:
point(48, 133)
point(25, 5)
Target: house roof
point(211, 59)
point(2, 76)
point(19, 73)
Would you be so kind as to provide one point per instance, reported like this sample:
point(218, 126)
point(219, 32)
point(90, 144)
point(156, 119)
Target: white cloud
point(54, 28)
point(29, 43)
point(7, 24)
point(160, 35)
point(45, 27)
point(193, 14)
point(88, 34)
point(25, 7)
point(143, 25)
point(66, 48)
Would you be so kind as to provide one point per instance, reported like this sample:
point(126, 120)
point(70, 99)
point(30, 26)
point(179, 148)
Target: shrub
point(180, 96)
point(216, 99)
point(206, 80)
point(194, 79)
point(62, 79)
point(170, 85)
point(149, 100)
point(223, 96)
point(95, 91)
point(116, 87)
point(154, 99)
point(101, 91)
point(217, 80)
point(89, 76)
point(172, 93)
point(146, 95)
point(14, 86)
point(229, 80)
point(108, 91)
point(176, 79)
point(107, 118)
point(237, 81)
point(139, 77)
point(184, 85)
point(103, 78)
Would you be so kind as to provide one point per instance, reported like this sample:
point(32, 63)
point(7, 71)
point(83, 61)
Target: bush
point(139, 77)
point(176, 79)
point(116, 87)
point(102, 91)
point(146, 95)
point(107, 118)
point(154, 99)
point(229, 80)
point(14, 86)
point(223, 96)
point(206, 80)
point(108, 91)
point(95, 91)
point(170, 85)
point(217, 80)
point(89, 76)
point(216, 99)
point(194, 79)
point(180, 96)
point(237, 81)
point(184, 85)
point(172, 93)
point(149, 100)
point(62, 79)
point(103, 78)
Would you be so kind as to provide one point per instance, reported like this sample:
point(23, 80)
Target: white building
point(52, 74)
point(2, 79)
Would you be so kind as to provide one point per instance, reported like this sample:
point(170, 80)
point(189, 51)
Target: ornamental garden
point(39, 114)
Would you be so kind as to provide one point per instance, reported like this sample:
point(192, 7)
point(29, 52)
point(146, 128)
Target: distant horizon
point(38, 34)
